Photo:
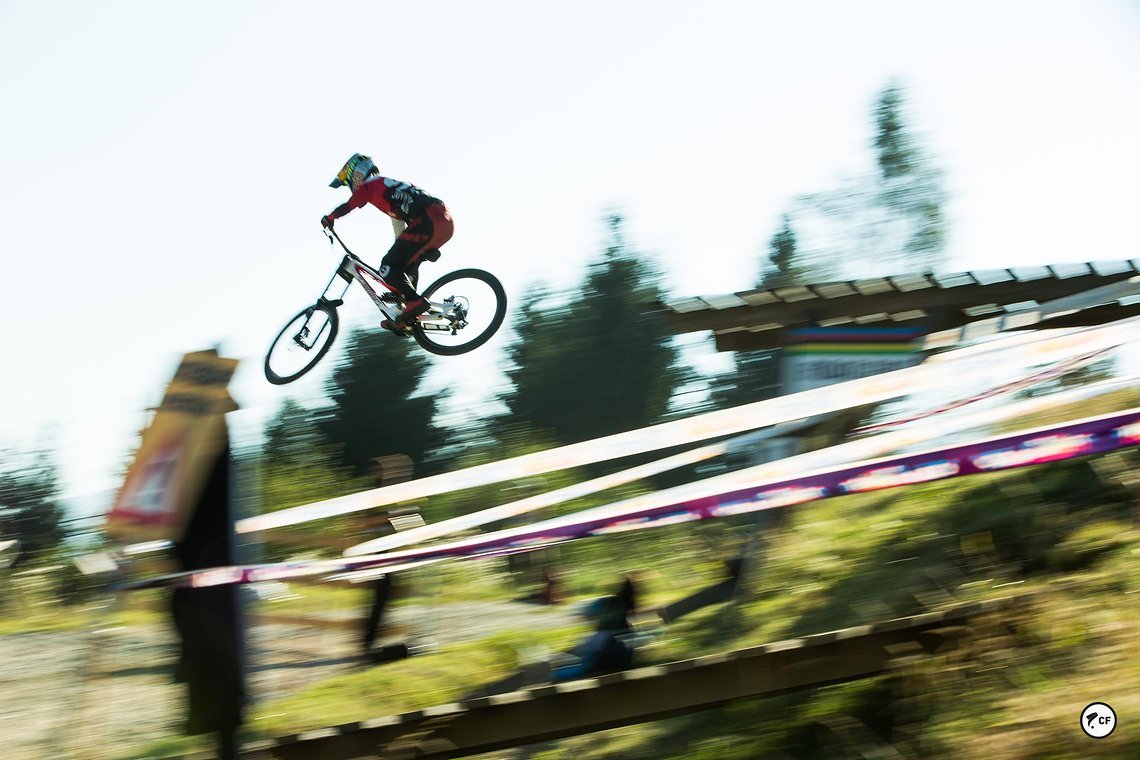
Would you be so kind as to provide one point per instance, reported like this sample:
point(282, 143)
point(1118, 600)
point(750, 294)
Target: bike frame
point(385, 297)
point(315, 327)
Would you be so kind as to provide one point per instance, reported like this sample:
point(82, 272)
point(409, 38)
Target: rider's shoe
point(412, 310)
point(390, 327)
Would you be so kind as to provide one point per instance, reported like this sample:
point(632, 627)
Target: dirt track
point(101, 695)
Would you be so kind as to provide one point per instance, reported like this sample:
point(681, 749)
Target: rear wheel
point(301, 344)
point(468, 307)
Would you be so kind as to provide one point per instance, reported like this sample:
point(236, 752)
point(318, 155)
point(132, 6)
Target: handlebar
point(330, 233)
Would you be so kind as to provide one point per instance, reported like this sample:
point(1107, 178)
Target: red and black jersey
point(397, 199)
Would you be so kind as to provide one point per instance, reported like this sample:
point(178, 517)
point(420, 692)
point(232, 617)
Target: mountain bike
point(467, 307)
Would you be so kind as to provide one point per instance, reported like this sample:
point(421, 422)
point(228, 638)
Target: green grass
point(35, 608)
point(1054, 531)
point(1012, 690)
point(1126, 398)
point(431, 679)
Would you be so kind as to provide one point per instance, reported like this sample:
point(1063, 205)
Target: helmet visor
point(342, 177)
point(358, 164)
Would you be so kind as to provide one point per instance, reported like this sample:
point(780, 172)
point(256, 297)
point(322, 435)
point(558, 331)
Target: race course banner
point(177, 451)
point(1014, 353)
point(724, 496)
point(844, 452)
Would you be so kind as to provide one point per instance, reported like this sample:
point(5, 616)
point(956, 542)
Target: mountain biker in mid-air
point(422, 224)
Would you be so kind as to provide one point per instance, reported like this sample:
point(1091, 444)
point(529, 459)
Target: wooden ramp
point(549, 712)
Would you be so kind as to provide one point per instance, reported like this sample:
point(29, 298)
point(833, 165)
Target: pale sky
point(163, 166)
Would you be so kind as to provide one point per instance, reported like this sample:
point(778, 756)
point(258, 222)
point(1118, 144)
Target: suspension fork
point(344, 272)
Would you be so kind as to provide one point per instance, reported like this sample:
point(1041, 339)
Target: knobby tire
point(318, 353)
point(424, 338)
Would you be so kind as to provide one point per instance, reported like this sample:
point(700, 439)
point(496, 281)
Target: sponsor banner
point(523, 506)
point(1020, 353)
point(1033, 447)
point(176, 452)
point(733, 494)
point(775, 448)
point(804, 371)
point(785, 464)
point(821, 356)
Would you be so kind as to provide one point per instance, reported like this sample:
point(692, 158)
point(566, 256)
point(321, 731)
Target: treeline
point(583, 363)
point(598, 359)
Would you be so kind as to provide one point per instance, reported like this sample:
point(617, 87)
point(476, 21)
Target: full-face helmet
point(355, 171)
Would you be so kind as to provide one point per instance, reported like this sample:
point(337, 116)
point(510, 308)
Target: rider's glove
point(327, 222)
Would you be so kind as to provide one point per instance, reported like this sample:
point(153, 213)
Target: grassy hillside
point(1060, 535)
point(1016, 687)
point(1064, 537)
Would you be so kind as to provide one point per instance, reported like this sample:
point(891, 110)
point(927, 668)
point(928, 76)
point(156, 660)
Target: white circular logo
point(1098, 720)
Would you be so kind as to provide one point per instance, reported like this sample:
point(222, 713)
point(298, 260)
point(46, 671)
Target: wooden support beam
point(947, 303)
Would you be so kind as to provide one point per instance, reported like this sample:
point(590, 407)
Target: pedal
point(387, 325)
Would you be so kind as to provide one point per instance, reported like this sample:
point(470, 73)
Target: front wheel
point(467, 308)
point(301, 343)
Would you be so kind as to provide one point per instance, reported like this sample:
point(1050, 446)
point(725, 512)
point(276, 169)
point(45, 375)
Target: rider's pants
point(425, 233)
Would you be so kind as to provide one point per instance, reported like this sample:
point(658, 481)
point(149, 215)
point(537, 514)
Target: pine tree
point(292, 437)
point(755, 375)
point(785, 267)
point(602, 363)
point(30, 511)
point(375, 410)
point(298, 466)
point(888, 221)
point(896, 153)
point(908, 184)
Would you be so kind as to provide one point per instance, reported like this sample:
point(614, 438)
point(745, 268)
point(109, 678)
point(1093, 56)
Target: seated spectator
point(604, 650)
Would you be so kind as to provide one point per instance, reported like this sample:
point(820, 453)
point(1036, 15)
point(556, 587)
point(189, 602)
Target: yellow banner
point(177, 451)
